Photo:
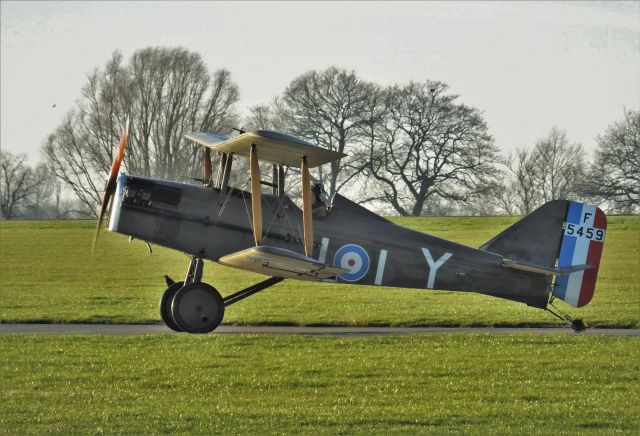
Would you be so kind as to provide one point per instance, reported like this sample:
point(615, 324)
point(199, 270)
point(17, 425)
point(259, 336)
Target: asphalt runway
point(147, 329)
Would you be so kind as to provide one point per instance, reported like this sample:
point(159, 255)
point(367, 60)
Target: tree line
point(412, 149)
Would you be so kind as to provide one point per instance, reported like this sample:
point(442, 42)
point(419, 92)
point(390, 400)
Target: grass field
point(48, 275)
point(441, 384)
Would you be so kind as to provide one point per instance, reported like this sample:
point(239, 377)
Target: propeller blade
point(110, 186)
point(119, 157)
point(103, 208)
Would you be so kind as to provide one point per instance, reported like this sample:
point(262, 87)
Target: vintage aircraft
point(554, 252)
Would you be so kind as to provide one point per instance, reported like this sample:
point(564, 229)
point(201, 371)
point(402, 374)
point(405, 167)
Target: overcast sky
point(527, 66)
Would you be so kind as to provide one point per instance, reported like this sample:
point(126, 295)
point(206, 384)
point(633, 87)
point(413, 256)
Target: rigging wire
point(244, 200)
point(275, 214)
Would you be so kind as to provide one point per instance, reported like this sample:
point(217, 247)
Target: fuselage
point(205, 222)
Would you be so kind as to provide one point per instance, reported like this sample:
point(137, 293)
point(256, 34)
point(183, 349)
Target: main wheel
point(197, 308)
point(165, 306)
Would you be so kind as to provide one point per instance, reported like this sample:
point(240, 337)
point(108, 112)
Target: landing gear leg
point(194, 273)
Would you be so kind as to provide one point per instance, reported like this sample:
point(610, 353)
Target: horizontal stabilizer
point(278, 262)
point(560, 271)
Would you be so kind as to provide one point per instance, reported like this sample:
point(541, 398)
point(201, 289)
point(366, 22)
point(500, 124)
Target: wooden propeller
point(110, 186)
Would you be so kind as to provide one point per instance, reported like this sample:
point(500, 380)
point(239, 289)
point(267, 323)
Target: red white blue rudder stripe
point(582, 242)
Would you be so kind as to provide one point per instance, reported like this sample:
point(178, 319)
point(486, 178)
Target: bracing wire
point(280, 202)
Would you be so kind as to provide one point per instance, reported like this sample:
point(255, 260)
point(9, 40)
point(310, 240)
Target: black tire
point(165, 306)
point(197, 308)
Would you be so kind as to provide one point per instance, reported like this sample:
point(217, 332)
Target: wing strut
point(306, 208)
point(256, 196)
point(206, 167)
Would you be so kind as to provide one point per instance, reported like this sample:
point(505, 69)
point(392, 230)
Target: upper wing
point(274, 147)
point(206, 139)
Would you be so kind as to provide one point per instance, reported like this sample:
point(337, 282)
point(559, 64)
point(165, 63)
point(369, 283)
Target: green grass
point(441, 384)
point(48, 275)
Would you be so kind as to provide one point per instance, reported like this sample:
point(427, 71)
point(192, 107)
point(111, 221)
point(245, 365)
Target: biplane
point(554, 252)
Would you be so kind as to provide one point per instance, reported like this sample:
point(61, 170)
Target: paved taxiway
point(145, 329)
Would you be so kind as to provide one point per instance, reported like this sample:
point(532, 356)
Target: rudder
point(583, 237)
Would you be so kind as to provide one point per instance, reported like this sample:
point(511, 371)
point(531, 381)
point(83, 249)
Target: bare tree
point(175, 95)
point(560, 166)
point(166, 92)
point(552, 169)
point(615, 175)
point(521, 191)
point(266, 116)
point(330, 109)
point(19, 184)
point(41, 203)
point(428, 146)
point(73, 161)
point(497, 199)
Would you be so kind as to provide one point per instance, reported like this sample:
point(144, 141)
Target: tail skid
point(578, 325)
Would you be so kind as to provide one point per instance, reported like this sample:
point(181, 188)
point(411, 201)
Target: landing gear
point(165, 306)
point(196, 307)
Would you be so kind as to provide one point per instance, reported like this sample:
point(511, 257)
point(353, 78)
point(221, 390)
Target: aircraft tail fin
point(535, 239)
point(561, 238)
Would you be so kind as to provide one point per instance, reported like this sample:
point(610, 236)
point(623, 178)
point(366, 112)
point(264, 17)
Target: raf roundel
point(354, 258)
